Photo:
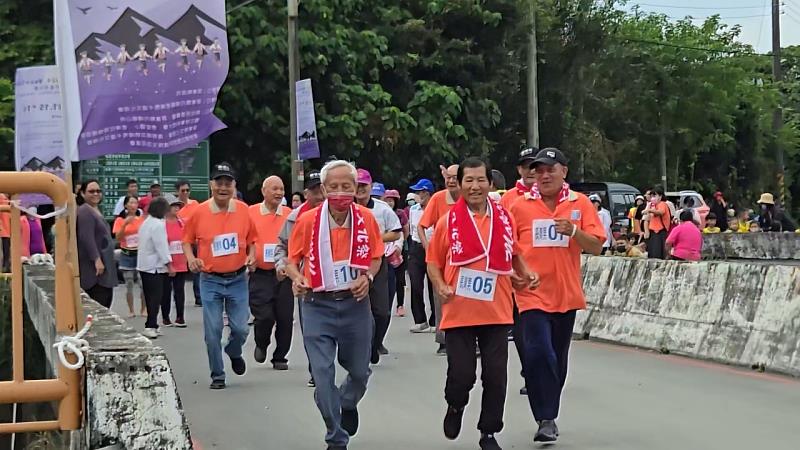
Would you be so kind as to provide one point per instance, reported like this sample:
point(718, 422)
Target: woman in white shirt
point(154, 262)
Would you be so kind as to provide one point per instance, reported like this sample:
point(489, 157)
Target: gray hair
point(335, 165)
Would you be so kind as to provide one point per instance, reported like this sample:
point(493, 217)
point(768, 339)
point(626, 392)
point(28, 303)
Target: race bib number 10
point(545, 235)
point(343, 275)
point(225, 244)
point(476, 285)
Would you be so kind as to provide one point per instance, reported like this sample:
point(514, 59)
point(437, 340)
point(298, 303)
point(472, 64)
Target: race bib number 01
point(132, 241)
point(225, 244)
point(343, 275)
point(476, 285)
point(175, 248)
point(545, 235)
point(269, 253)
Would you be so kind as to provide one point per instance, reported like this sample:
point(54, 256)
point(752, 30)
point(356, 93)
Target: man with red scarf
point(472, 262)
point(340, 246)
point(556, 224)
point(526, 178)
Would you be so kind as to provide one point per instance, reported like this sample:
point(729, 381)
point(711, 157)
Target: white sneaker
point(150, 333)
point(158, 331)
point(420, 328)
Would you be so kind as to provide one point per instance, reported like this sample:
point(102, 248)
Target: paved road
point(617, 399)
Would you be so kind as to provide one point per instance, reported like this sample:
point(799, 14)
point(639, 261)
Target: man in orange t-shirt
point(471, 262)
point(225, 237)
point(5, 236)
point(526, 177)
point(555, 225)
point(271, 300)
point(438, 206)
point(340, 247)
point(183, 189)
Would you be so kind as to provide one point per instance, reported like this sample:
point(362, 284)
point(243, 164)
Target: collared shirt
point(153, 255)
point(438, 206)
point(218, 233)
point(386, 218)
point(414, 216)
point(268, 225)
point(510, 197)
point(556, 258)
point(186, 212)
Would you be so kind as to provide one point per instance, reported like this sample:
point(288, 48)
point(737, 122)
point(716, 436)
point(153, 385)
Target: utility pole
point(662, 149)
point(533, 93)
point(777, 118)
point(294, 72)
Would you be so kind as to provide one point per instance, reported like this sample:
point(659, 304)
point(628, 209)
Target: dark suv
point(617, 198)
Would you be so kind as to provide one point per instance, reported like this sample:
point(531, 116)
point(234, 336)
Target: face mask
point(412, 202)
point(620, 249)
point(763, 207)
point(340, 201)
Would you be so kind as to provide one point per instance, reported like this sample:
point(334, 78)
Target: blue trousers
point(337, 326)
point(230, 294)
point(546, 339)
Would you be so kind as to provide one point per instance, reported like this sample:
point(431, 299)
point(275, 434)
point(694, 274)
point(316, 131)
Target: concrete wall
point(132, 400)
point(751, 246)
point(735, 313)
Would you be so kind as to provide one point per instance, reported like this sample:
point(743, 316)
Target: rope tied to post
point(75, 345)
point(31, 211)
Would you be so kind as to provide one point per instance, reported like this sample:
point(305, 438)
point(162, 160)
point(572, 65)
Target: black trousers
point(6, 242)
point(518, 338)
point(101, 294)
point(417, 270)
point(462, 365)
point(381, 304)
point(153, 285)
point(272, 305)
point(177, 285)
point(656, 245)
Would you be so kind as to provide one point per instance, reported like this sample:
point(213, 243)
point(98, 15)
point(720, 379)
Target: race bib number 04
point(175, 248)
point(343, 275)
point(476, 285)
point(225, 244)
point(269, 253)
point(545, 235)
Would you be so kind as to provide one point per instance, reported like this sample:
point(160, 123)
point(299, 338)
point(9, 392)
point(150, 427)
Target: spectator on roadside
point(719, 207)
point(626, 246)
point(659, 220)
point(733, 225)
point(155, 189)
point(98, 274)
point(690, 205)
point(32, 235)
point(133, 191)
point(605, 218)
point(754, 227)
point(772, 217)
point(685, 240)
point(711, 225)
point(743, 222)
point(297, 199)
point(635, 215)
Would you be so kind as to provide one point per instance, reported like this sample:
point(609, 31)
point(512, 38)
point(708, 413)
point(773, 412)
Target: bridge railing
point(66, 389)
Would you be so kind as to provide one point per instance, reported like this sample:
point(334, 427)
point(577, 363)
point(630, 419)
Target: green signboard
point(114, 171)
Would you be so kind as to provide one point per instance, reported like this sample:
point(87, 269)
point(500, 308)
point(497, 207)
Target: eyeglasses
point(185, 190)
point(94, 191)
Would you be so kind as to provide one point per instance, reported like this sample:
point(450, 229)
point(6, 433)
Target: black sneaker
point(383, 350)
point(217, 384)
point(548, 432)
point(238, 365)
point(260, 354)
point(452, 422)
point(350, 421)
point(311, 382)
point(375, 357)
point(488, 442)
point(337, 447)
point(442, 350)
point(280, 365)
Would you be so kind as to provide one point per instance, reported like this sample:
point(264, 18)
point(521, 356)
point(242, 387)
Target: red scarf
point(466, 245)
point(320, 261)
point(306, 206)
point(562, 196)
point(521, 187)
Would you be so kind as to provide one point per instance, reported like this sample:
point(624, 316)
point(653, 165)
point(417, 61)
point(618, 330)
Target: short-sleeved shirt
point(268, 226)
point(414, 216)
point(129, 239)
point(186, 212)
point(510, 197)
point(556, 258)
point(299, 243)
point(687, 241)
point(437, 207)
point(385, 216)
point(658, 223)
point(5, 218)
point(222, 236)
point(175, 241)
point(475, 306)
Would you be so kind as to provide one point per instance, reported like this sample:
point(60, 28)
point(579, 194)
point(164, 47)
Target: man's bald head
point(273, 191)
point(451, 179)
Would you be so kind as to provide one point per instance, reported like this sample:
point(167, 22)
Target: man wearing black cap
point(225, 237)
point(526, 177)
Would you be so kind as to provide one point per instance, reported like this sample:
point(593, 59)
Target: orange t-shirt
point(300, 240)
point(510, 197)
point(268, 226)
point(556, 258)
point(186, 212)
point(478, 308)
point(5, 218)
point(658, 223)
point(438, 206)
point(222, 236)
point(130, 239)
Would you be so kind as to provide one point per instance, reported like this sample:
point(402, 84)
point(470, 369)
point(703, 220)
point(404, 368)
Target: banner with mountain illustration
point(140, 75)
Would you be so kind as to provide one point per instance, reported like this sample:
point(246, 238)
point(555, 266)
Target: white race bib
point(225, 244)
point(175, 248)
point(343, 275)
point(476, 284)
point(132, 241)
point(545, 235)
point(269, 253)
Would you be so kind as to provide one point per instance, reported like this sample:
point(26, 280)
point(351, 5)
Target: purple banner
point(148, 73)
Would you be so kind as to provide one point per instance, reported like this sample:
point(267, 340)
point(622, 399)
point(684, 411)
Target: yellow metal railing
point(66, 389)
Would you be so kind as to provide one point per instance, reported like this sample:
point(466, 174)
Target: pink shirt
point(687, 241)
point(174, 237)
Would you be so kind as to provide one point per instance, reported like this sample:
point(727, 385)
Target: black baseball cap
point(222, 169)
point(313, 179)
point(527, 155)
point(550, 157)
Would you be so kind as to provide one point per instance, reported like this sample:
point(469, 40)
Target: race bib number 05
point(476, 285)
point(269, 253)
point(225, 244)
point(175, 248)
point(344, 275)
point(545, 235)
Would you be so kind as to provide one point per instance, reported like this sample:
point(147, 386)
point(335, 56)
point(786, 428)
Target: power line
point(721, 17)
point(242, 5)
point(761, 24)
point(699, 7)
